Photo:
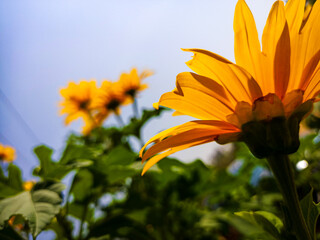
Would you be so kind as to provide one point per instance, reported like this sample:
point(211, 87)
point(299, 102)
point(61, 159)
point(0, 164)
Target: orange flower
point(7, 153)
point(259, 100)
point(108, 100)
point(78, 101)
point(28, 185)
point(131, 85)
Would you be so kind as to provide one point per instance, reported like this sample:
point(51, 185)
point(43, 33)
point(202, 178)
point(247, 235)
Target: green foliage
point(261, 227)
point(12, 184)
point(310, 212)
point(38, 206)
point(8, 233)
point(235, 197)
point(73, 157)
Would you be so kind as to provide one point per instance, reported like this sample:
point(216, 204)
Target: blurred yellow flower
point(131, 84)
point(235, 102)
point(7, 153)
point(28, 185)
point(108, 100)
point(77, 100)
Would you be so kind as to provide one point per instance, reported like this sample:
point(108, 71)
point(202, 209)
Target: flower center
point(131, 92)
point(113, 104)
point(84, 104)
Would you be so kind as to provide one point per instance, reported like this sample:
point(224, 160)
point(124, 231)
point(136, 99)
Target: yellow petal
point(155, 105)
point(275, 41)
point(183, 136)
point(205, 85)
point(308, 72)
point(294, 10)
point(204, 107)
point(307, 12)
point(72, 117)
point(282, 63)
point(237, 81)
point(313, 88)
point(247, 48)
point(311, 32)
point(145, 74)
point(160, 156)
point(242, 114)
point(291, 101)
point(304, 47)
point(176, 113)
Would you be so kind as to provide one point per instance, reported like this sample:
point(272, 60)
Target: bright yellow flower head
point(7, 153)
point(28, 185)
point(77, 100)
point(131, 85)
point(108, 100)
point(263, 96)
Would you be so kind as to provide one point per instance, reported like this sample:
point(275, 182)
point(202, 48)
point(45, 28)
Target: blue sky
point(44, 44)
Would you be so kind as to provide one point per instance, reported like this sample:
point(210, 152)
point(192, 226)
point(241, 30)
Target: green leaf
point(118, 173)
point(7, 190)
point(253, 225)
point(50, 170)
point(310, 212)
point(118, 164)
point(82, 183)
point(272, 219)
point(14, 177)
point(38, 206)
point(267, 225)
point(2, 176)
point(73, 152)
point(44, 154)
point(12, 184)
point(77, 211)
point(119, 156)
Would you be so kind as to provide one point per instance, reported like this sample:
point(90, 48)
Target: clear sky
point(45, 43)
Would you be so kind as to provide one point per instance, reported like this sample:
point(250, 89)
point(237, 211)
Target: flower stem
point(282, 170)
point(135, 108)
point(119, 119)
point(83, 219)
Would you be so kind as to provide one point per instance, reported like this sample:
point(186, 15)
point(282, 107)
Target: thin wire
point(18, 116)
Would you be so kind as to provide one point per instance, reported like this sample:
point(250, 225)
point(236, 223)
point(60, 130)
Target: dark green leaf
point(118, 173)
point(50, 170)
point(253, 225)
point(74, 152)
point(77, 211)
point(6, 190)
point(81, 186)
point(119, 156)
point(310, 212)
point(14, 177)
point(13, 184)
point(8, 233)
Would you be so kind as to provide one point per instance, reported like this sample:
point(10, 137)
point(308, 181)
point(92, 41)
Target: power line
point(18, 116)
